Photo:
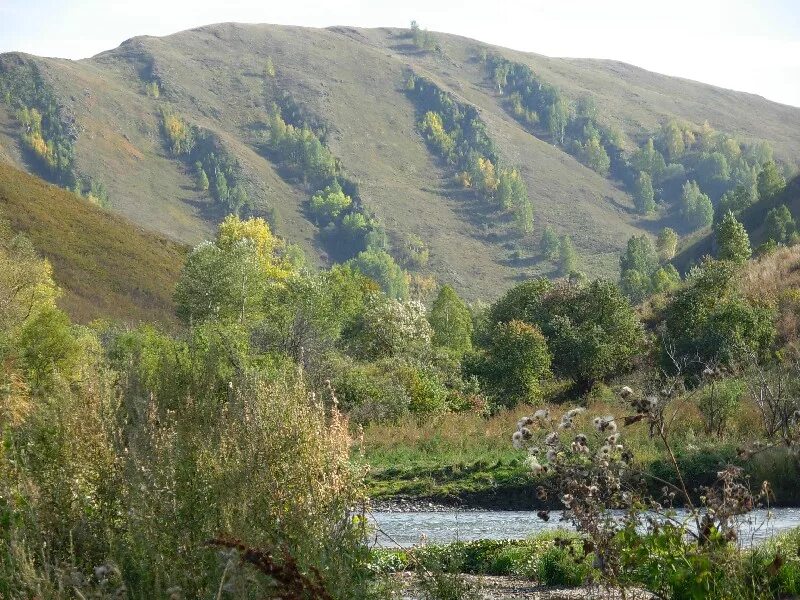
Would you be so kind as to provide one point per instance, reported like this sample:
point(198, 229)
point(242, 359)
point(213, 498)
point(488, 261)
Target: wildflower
point(565, 424)
point(551, 454)
point(534, 465)
point(612, 439)
point(605, 450)
point(651, 402)
point(567, 499)
point(542, 414)
point(605, 424)
point(574, 412)
point(516, 440)
point(551, 439)
point(581, 439)
point(526, 433)
point(534, 451)
point(626, 392)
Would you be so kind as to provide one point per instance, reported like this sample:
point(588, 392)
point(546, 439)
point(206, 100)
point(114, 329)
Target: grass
point(351, 79)
point(467, 458)
point(106, 266)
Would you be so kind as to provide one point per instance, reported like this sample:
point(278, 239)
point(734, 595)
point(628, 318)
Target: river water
point(410, 528)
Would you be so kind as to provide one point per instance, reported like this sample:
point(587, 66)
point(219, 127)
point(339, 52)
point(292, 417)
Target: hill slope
point(351, 80)
point(106, 266)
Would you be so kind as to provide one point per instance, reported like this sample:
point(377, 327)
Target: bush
point(560, 566)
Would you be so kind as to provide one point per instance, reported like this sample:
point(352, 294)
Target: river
point(410, 528)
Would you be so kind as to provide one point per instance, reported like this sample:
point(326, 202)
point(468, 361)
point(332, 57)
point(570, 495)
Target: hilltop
point(350, 85)
point(106, 266)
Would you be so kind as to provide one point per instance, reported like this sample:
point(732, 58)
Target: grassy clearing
point(469, 458)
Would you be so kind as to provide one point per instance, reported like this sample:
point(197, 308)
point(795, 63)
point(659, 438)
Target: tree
point(594, 155)
point(592, 332)
point(667, 244)
point(734, 201)
point(523, 302)
point(221, 187)
point(515, 363)
point(388, 328)
point(379, 266)
point(201, 179)
point(709, 322)
point(451, 321)
point(696, 207)
point(567, 256)
point(269, 68)
point(779, 224)
point(674, 143)
point(227, 280)
point(643, 194)
point(733, 243)
point(770, 180)
point(637, 265)
point(549, 246)
point(326, 205)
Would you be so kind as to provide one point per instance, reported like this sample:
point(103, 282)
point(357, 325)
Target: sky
point(752, 46)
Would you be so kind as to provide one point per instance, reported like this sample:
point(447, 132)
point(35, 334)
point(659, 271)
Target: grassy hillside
point(351, 80)
point(106, 266)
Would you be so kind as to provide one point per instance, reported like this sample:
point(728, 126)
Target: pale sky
point(752, 46)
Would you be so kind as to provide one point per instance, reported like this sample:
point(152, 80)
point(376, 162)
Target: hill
point(349, 85)
point(106, 266)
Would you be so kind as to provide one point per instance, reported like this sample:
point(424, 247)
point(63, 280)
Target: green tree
point(708, 321)
point(269, 68)
point(696, 207)
point(549, 245)
point(389, 328)
point(667, 244)
point(326, 205)
point(779, 224)
point(637, 265)
point(201, 179)
point(451, 320)
point(567, 256)
point(733, 243)
point(594, 155)
point(665, 279)
point(770, 180)
point(592, 332)
point(515, 363)
point(643, 194)
point(735, 201)
point(221, 190)
point(383, 270)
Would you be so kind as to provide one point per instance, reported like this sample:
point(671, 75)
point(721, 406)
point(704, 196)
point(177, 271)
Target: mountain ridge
point(351, 79)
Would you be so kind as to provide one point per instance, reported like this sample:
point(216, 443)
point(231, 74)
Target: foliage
point(638, 266)
point(549, 245)
point(451, 321)
point(733, 243)
point(456, 132)
point(779, 225)
point(696, 207)
point(567, 256)
point(770, 181)
point(48, 132)
point(643, 194)
point(708, 322)
point(381, 268)
point(667, 244)
point(515, 362)
point(195, 145)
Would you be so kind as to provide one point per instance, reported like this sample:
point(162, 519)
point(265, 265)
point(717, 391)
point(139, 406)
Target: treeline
point(456, 133)
point(46, 131)
point(546, 109)
point(294, 139)
point(215, 170)
point(692, 168)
